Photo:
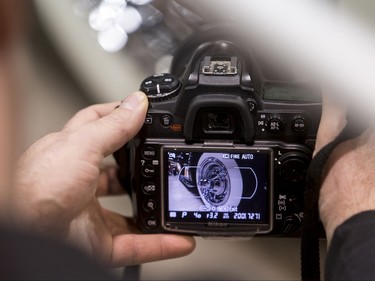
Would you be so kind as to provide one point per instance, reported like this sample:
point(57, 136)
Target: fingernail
point(133, 100)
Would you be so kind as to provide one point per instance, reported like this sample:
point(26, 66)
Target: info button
point(149, 171)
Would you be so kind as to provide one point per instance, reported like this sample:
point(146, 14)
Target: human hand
point(59, 176)
point(348, 186)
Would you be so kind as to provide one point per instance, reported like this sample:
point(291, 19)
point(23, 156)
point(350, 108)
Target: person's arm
point(347, 200)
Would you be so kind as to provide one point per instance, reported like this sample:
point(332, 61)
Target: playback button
point(149, 119)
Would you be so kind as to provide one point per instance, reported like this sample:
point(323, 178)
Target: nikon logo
point(217, 224)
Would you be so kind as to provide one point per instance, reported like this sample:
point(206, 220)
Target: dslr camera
point(223, 150)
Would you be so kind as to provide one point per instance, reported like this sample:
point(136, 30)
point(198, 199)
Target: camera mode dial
point(161, 87)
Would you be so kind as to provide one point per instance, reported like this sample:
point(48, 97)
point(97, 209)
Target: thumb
point(112, 131)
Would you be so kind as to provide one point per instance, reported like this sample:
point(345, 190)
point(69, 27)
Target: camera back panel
point(219, 155)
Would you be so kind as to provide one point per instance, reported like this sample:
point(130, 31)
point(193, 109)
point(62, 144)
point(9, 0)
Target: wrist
point(334, 217)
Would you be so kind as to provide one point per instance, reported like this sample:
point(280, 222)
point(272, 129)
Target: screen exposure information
point(217, 185)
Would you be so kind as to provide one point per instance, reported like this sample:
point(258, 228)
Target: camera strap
point(310, 256)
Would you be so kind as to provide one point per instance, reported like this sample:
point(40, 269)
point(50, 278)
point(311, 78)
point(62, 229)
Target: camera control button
point(149, 188)
point(275, 124)
point(148, 152)
point(152, 222)
point(149, 119)
point(170, 81)
point(150, 205)
point(148, 85)
point(293, 167)
point(252, 105)
point(299, 125)
point(291, 224)
point(149, 171)
point(166, 120)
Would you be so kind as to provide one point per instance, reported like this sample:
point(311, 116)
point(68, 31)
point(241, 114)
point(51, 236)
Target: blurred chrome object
point(112, 19)
point(148, 30)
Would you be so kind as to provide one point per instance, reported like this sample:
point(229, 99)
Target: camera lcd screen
point(218, 186)
point(290, 93)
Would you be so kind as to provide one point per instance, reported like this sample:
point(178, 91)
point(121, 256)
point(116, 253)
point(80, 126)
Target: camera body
point(223, 151)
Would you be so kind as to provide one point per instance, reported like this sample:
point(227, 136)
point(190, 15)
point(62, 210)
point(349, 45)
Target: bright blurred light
point(105, 14)
point(129, 19)
point(114, 20)
point(98, 21)
point(112, 6)
point(82, 8)
point(112, 39)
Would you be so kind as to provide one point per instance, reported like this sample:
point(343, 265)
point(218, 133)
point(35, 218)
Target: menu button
point(149, 152)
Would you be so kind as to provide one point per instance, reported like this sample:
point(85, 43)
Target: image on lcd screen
point(228, 186)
